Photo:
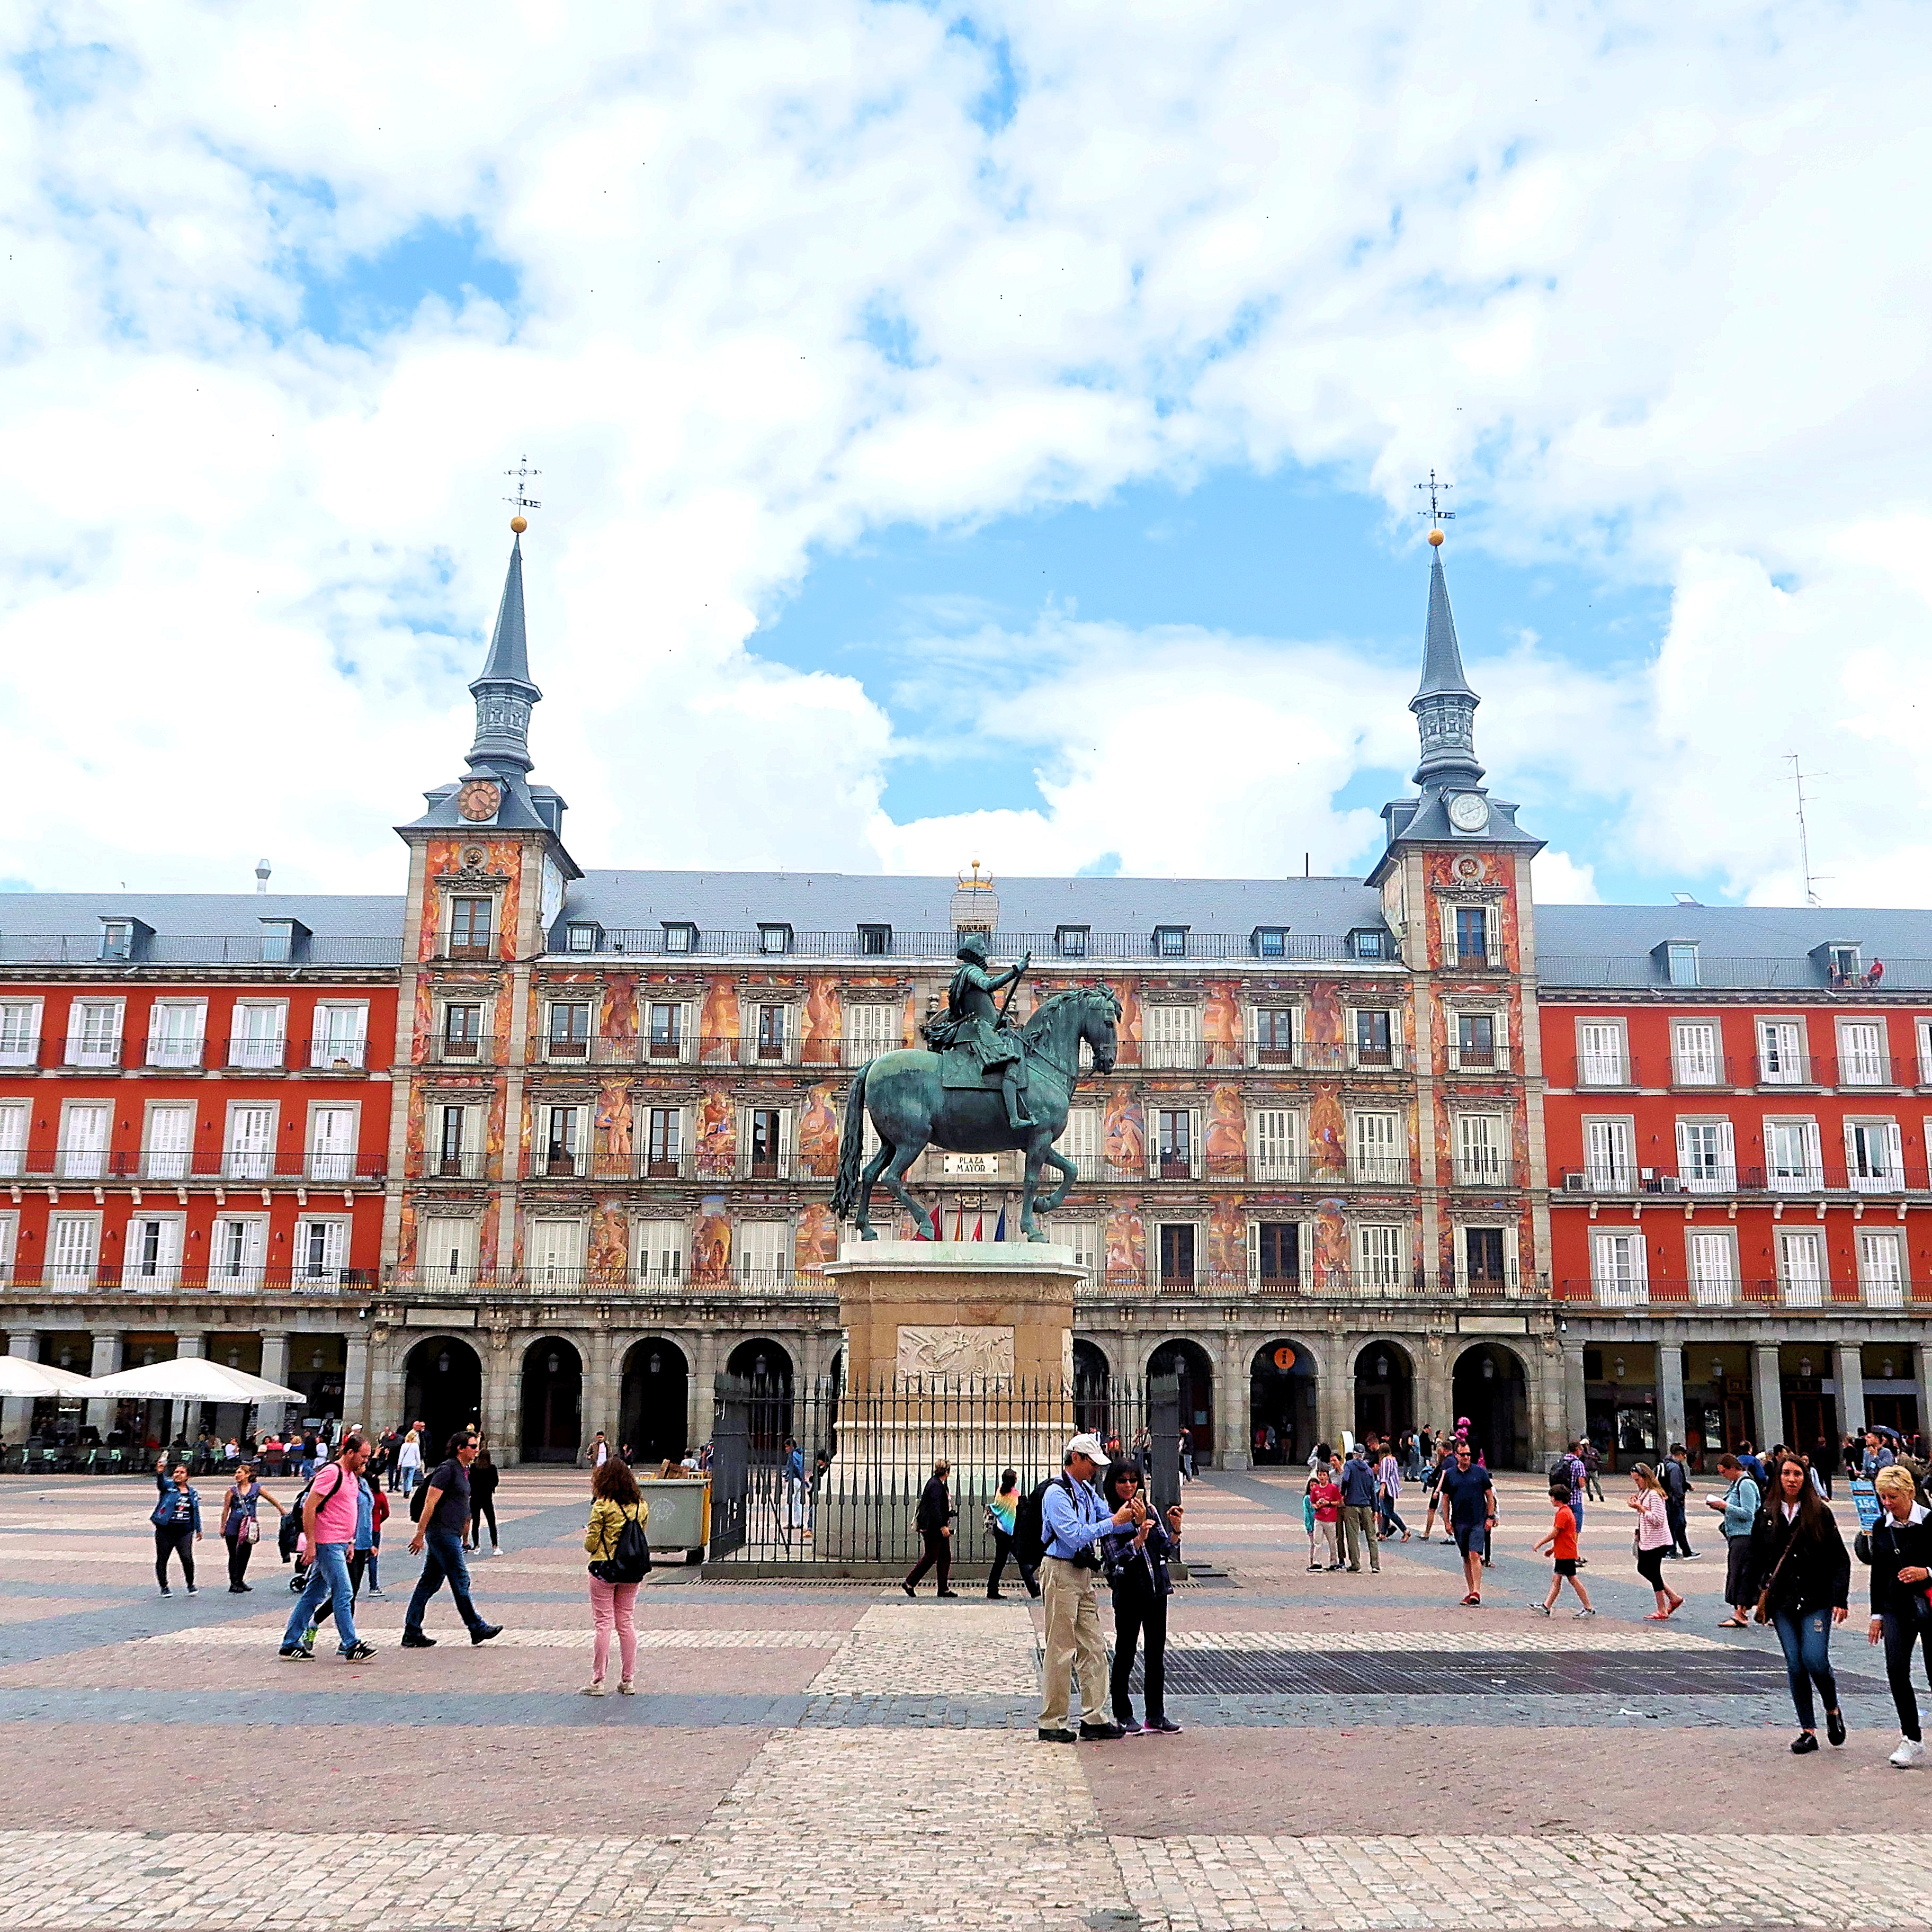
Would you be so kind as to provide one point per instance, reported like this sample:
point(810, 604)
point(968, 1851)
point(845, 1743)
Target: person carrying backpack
point(619, 1558)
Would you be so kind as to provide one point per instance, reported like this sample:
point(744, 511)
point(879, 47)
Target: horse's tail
point(851, 1151)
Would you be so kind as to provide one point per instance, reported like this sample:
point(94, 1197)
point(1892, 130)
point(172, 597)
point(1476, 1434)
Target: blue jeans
point(328, 1583)
point(1807, 1638)
point(443, 1557)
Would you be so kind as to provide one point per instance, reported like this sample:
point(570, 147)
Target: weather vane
point(522, 500)
point(1436, 513)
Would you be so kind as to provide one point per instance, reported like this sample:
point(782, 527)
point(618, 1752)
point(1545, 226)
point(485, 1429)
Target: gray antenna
point(1798, 775)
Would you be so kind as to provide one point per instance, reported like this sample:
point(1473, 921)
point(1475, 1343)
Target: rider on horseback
point(975, 1023)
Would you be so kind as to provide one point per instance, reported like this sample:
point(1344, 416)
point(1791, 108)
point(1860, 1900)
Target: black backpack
point(1030, 1525)
point(418, 1497)
point(290, 1532)
point(629, 1560)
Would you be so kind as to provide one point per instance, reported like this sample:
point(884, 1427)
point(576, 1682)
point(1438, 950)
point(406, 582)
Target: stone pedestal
point(958, 1349)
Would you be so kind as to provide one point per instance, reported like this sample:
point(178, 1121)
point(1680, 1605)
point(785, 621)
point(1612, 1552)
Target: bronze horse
point(912, 1109)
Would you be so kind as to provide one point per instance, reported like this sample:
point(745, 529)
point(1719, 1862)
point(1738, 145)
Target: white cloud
point(1652, 286)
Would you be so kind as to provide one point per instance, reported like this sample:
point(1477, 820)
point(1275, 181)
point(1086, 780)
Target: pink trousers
point(613, 1603)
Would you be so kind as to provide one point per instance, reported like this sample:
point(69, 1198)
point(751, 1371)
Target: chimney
point(261, 875)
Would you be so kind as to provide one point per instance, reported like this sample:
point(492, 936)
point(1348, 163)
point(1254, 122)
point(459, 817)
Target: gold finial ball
point(520, 524)
point(1435, 537)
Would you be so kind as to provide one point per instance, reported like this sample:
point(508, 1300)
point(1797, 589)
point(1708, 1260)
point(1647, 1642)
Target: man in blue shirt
point(1358, 1510)
point(1072, 1515)
point(1470, 1504)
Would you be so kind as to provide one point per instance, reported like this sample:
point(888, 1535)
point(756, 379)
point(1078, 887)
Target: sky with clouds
point(967, 432)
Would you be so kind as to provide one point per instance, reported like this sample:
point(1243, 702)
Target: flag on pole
point(959, 1222)
point(979, 1226)
point(1000, 1232)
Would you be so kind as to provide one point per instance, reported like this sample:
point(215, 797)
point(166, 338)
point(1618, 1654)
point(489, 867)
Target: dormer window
point(123, 938)
point(1368, 942)
point(283, 940)
point(1170, 942)
point(774, 938)
point(1070, 941)
point(583, 935)
point(1680, 963)
point(1271, 942)
point(1843, 963)
point(679, 936)
point(875, 942)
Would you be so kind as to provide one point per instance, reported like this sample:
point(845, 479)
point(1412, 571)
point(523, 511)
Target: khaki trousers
point(1359, 1520)
point(1072, 1630)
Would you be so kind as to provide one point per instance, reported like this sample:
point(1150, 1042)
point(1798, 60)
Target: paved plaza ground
point(1360, 1751)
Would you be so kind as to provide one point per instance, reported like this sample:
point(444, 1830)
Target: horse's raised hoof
point(868, 1234)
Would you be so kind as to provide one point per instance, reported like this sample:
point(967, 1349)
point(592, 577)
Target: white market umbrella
point(191, 1379)
point(20, 1377)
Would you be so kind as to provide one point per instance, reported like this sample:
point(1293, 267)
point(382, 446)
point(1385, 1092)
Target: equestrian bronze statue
point(984, 1086)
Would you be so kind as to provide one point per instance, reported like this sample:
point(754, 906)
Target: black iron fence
point(828, 1481)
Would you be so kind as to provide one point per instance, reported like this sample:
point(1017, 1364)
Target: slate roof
point(1442, 674)
point(1587, 946)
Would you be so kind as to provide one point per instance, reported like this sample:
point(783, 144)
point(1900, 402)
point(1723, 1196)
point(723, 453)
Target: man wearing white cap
point(1072, 1515)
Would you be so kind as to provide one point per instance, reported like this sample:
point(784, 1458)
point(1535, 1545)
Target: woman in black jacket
point(934, 1525)
point(1799, 1560)
point(1136, 1555)
point(1900, 1543)
point(484, 1477)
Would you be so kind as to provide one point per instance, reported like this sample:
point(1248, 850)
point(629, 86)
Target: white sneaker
point(1910, 1752)
point(1583, 1613)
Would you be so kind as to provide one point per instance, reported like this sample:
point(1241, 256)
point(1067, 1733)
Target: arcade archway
point(1283, 1382)
point(767, 1366)
point(443, 1389)
point(553, 1402)
point(653, 1406)
point(1093, 1390)
point(1385, 1391)
point(1489, 1389)
point(1189, 1360)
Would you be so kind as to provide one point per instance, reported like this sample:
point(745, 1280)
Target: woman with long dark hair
point(1653, 1538)
point(1135, 1554)
point(1802, 1573)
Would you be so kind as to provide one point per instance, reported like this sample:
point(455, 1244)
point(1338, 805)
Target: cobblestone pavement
point(802, 1758)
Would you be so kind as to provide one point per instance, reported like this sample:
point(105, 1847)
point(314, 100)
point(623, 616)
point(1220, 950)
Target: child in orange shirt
point(1562, 1544)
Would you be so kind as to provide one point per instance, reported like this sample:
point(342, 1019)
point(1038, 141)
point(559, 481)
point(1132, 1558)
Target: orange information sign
point(1284, 1357)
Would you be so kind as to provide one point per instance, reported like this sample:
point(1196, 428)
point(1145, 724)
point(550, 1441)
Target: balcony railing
point(81, 1052)
point(443, 1049)
point(1695, 1071)
point(1607, 1070)
point(103, 1277)
point(1478, 1059)
point(171, 949)
point(1871, 1069)
point(652, 943)
point(205, 1167)
point(258, 1050)
point(1786, 1070)
point(1638, 971)
point(176, 1052)
point(1366, 1171)
point(1478, 1169)
point(1752, 1292)
point(450, 1167)
point(1820, 1178)
point(331, 1052)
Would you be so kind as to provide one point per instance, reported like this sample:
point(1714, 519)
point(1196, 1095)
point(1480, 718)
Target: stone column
point(1767, 1395)
point(1231, 1412)
point(705, 1365)
point(275, 1368)
point(1848, 1364)
point(1335, 1399)
point(1575, 1409)
point(195, 1345)
point(598, 1408)
point(106, 1361)
point(16, 1413)
point(355, 1409)
point(1669, 1392)
point(1918, 1354)
point(499, 1396)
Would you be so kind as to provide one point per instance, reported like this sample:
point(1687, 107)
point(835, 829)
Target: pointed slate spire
point(1445, 705)
point(504, 693)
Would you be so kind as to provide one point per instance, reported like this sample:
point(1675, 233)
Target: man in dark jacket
point(1675, 1474)
point(934, 1525)
point(1358, 1510)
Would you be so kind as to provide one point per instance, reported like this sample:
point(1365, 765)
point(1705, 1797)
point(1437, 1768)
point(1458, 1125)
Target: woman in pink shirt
point(1653, 1538)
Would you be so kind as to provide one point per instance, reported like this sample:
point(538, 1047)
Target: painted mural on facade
point(816, 1142)
point(618, 1015)
point(1447, 872)
point(1226, 1134)
point(1221, 1023)
point(717, 1132)
point(711, 1241)
point(817, 1241)
point(819, 1028)
point(1123, 1129)
point(1126, 1242)
point(499, 857)
point(1331, 1262)
point(1227, 1238)
point(614, 1142)
point(1328, 1131)
point(608, 1256)
point(718, 1018)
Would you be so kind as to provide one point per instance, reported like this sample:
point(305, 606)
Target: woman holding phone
point(1136, 1553)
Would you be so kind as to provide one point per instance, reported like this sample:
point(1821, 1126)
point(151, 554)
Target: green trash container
point(680, 1515)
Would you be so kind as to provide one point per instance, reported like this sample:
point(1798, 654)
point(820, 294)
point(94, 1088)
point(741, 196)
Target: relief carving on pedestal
point(955, 1353)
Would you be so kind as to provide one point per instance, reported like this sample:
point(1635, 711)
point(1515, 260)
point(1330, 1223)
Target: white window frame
point(165, 1273)
point(1155, 1223)
point(882, 1029)
point(1297, 1020)
point(20, 1031)
point(1498, 1018)
point(1807, 1174)
point(333, 1164)
point(1304, 1236)
point(1351, 1045)
point(9, 1244)
point(249, 1045)
point(78, 1159)
point(433, 1268)
point(1277, 1146)
point(1697, 1068)
point(1372, 1161)
point(663, 1253)
point(190, 1045)
point(1610, 1166)
point(328, 1270)
point(680, 1051)
point(1604, 1061)
point(252, 1165)
point(1480, 1147)
point(16, 1128)
point(678, 1142)
point(174, 1164)
point(237, 1261)
point(1459, 1253)
point(1862, 1066)
point(554, 1248)
point(784, 1147)
point(1779, 1063)
point(1800, 1290)
point(1193, 1115)
point(1170, 1036)
point(1619, 1267)
point(1719, 1175)
point(751, 1032)
point(1452, 953)
point(465, 1161)
point(572, 1052)
point(98, 1044)
point(1874, 1156)
point(577, 1140)
point(324, 1050)
point(73, 1249)
point(1711, 1266)
point(761, 1252)
point(1884, 1286)
point(1379, 1251)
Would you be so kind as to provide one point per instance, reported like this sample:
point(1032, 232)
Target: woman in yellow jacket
point(617, 1500)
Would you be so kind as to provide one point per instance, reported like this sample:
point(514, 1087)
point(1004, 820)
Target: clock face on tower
point(1469, 811)
point(477, 799)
